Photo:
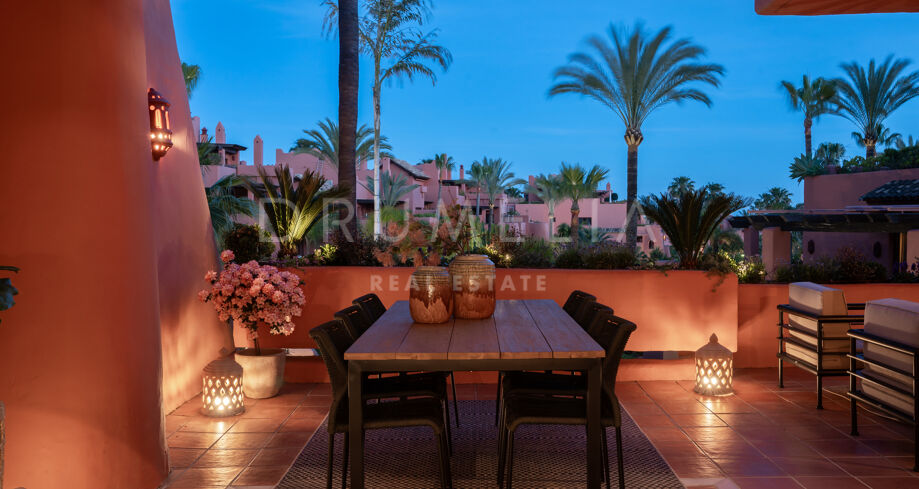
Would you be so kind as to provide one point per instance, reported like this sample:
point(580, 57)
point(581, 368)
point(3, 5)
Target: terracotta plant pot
point(473, 286)
point(431, 296)
point(263, 375)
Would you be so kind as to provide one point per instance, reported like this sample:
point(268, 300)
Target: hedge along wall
point(757, 327)
point(674, 311)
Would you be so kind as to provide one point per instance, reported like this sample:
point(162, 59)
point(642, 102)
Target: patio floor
point(762, 437)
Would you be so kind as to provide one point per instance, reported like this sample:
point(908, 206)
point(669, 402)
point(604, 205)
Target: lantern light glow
point(714, 369)
point(160, 132)
point(222, 389)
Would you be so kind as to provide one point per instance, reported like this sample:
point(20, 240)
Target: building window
point(878, 250)
point(651, 244)
point(810, 246)
point(638, 239)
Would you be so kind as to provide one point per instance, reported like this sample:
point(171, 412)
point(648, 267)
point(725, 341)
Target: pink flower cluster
point(251, 293)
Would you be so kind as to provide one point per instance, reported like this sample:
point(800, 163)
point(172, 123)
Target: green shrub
point(750, 270)
point(325, 254)
point(609, 257)
point(848, 266)
point(569, 257)
point(248, 243)
point(356, 252)
point(532, 253)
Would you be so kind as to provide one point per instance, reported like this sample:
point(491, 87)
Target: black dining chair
point(570, 407)
point(333, 339)
point(371, 305)
point(576, 303)
point(361, 315)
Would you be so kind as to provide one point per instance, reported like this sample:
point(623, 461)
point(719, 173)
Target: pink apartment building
point(527, 216)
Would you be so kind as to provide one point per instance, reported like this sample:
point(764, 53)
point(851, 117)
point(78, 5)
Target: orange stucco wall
point(674, 311)
point(107, 240)
point(758, 318)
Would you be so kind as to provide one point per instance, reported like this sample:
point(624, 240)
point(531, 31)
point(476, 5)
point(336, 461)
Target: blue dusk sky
point(268, 70)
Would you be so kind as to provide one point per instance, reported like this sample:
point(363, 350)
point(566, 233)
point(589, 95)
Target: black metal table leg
point(355, 425)
point(594, 430)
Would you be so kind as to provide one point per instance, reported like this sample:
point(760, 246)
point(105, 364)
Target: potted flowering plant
point(250, 294)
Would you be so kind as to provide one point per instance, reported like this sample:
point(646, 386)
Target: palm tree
point(830, 153)
point(348, 82)
point(680, 185)
point(884, 137)
point(513, 192)
point(191, 74)
point(294, 207)
point(776, 198)
point(443, 163)
point(224, 206)
point(634, 75)
point(578, 183)
point(498, 178)
point(393, 189)
point(725, 240)
point(477, 173)
point(690, 219)
point(869, 96)
point(549, 190)
point(902, 144)
point(814, 99)
point(323, 143)
point(391, 34)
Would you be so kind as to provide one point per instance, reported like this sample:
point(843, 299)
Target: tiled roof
point(415, 172)
point(894, 192)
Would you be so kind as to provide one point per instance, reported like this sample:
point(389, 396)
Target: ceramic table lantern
point(431, 296)
point(473, 286)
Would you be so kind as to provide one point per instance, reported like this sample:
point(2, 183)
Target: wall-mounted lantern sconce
point(160, 133)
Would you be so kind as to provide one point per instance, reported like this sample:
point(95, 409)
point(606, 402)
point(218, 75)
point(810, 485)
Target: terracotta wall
point(758, 318)
point(108, 242)
point(185, 250)
point(674, 311)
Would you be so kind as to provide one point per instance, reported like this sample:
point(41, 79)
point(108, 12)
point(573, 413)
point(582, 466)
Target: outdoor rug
point(545, 456)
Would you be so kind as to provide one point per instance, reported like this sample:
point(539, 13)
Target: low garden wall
point(677, 310)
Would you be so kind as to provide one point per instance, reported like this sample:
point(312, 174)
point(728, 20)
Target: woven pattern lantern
point(222, 390)
point(714, 369)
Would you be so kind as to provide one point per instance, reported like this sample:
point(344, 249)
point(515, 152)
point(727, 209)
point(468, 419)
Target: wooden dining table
point(521, 335)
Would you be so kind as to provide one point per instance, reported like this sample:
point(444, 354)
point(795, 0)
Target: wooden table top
point(519, 329)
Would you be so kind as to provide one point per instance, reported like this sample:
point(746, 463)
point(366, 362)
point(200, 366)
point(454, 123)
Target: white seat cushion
point(896, 320)
point(823, 301)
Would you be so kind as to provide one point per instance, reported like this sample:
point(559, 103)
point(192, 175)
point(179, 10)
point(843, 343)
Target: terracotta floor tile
point(276, 456)
point(320, 401)
point(830, 483)
point(890, 448)
point(643, 408)
point(653, 421)
point(786, 448)
point(310, 412)
point(746, 419)
point(231, 441)
point(694, 468)
point(184, 457)
point(904, 462)
point(291, 439)
point(891, 482)
point(209, 425)
point(695, 420)
point(841, 448)
point(733, 406)
point(870, 466)
point(183, 439)
point(879, 432)
point(320, 390)
point(711, 433)
point(693, 407)
point(256, 425)
point(749, 467)
point(729, 449)
point(486, 392)
point(261, 476)
point(465, 392)
point(198, 478)
point(265, 411)
point(303, 424)
point(796, 466)
point(665, 434)
point(191, 407)
point(226, 458)
point(766, 483)
point(173, 423)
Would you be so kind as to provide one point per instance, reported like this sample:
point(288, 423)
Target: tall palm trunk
point(437, 202)
point(348, 70)
point(575, 223)
point(377, 223)
point(807, 135)
point(631, 227)
point(870, 147)
point(478, 195)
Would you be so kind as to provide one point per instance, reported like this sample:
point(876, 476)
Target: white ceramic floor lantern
point(714, 369)
point(222, 389)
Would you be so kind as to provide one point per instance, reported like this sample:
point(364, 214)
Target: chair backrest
point(595, 312)
point(333, 339)
point(371, 305)
point(354, 320)
point(575, 306)
point(612, 333)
